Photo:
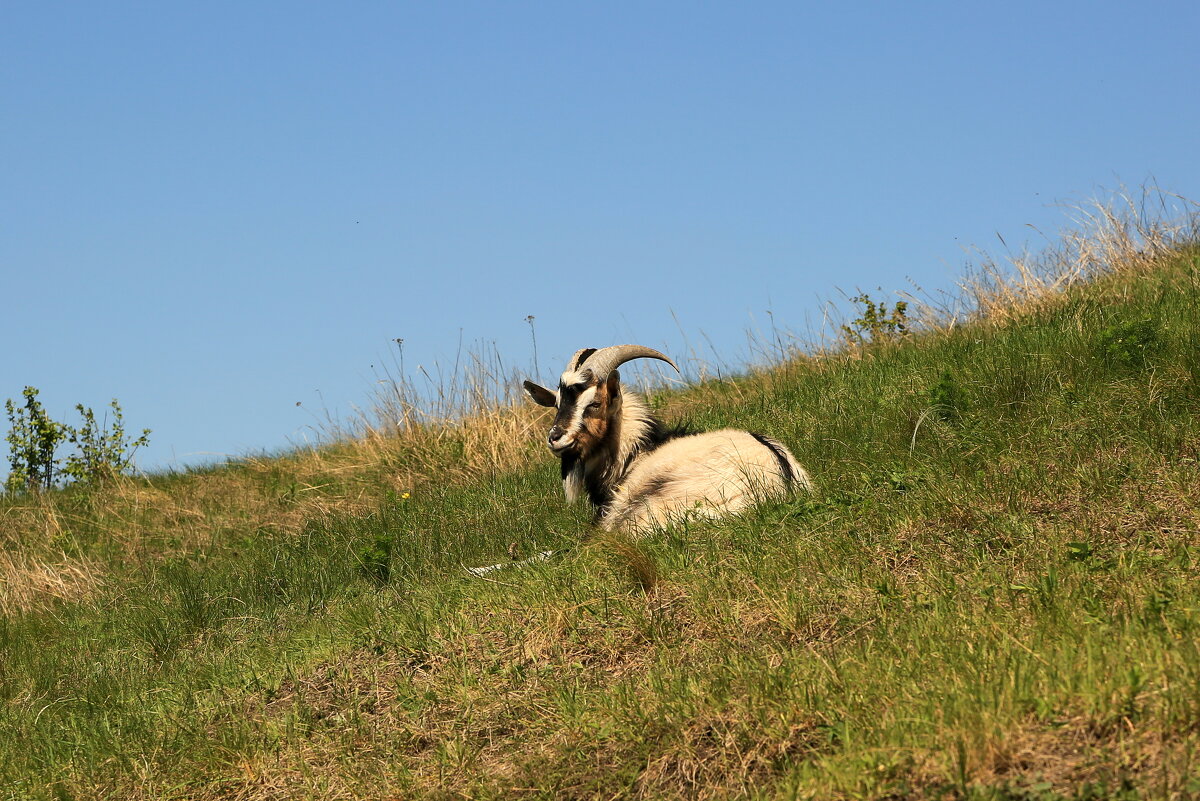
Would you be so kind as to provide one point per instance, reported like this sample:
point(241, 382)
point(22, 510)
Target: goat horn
point(579, 358)
point(605, 360)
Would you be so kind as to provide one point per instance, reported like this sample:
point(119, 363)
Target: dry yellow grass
point(1124, 233)
point(26, 581)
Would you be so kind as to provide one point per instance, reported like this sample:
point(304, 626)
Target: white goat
point(639, 474)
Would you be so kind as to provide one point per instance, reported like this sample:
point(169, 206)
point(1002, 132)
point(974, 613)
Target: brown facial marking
point(596, 417)
point(589, 434)
point(597, 420)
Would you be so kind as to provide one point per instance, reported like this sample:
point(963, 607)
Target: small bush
point(103, 449)
point(948, 399)
point(877, 324)
point(1130, 344)
point(33, 440)
point(375, 561)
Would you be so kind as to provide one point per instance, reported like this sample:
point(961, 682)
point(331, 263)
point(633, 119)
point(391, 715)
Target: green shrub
point(876, 324)
point(375, 561)
point(948, 399)
point(103, 449)
point(1130, 344)
point(33, 439)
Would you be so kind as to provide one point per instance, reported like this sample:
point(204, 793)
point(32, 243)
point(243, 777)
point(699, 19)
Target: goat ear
point(540, 395)
point(613, 383)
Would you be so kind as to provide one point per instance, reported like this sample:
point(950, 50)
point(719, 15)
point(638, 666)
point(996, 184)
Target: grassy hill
point(994, 592)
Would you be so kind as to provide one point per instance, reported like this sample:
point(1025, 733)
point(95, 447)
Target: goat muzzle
point(556, 434)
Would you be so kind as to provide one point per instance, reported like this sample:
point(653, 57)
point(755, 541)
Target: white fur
point(573, 484)
point(711, 475)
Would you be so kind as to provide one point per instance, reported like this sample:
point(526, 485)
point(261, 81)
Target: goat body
point(637, 473)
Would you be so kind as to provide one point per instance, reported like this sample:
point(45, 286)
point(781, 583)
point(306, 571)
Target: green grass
point(993, 594)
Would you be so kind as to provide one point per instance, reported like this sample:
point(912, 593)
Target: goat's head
point(588, 398)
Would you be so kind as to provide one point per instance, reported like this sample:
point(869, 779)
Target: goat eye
point(594, 405)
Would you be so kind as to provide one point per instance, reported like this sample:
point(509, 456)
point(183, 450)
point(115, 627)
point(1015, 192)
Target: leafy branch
point(103, 449)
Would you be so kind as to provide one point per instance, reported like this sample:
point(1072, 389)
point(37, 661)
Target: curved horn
point(605, 360)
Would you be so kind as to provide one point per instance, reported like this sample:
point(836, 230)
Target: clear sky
point(213, 211)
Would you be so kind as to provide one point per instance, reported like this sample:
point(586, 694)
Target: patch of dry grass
point(26, 582)
point(1077, 750)
point(134, 519)
point(1126, 233)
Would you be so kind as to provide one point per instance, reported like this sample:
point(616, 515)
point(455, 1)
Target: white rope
point(480, 572)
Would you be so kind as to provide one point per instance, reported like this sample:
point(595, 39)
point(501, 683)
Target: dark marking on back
point(642, 500)
point(659, 433)
point(653, 488)
point(775, 448)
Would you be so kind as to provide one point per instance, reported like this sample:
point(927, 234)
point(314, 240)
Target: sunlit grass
point(993, 592)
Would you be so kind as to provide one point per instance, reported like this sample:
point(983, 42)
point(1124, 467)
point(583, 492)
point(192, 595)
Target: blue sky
point(213, 211)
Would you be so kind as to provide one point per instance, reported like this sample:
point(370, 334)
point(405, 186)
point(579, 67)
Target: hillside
point(993, 593)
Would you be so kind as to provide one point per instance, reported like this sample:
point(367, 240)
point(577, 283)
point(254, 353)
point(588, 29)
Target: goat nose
point(555, 433)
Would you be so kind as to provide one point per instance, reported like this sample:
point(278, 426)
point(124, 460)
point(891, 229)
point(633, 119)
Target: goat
point(640, 474)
